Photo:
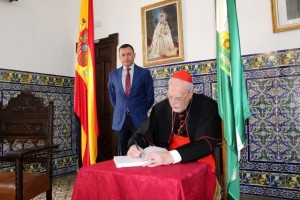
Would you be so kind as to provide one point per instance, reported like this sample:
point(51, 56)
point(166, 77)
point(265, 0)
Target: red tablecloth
point(190, 181)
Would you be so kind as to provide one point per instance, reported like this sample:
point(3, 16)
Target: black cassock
point(203, 127)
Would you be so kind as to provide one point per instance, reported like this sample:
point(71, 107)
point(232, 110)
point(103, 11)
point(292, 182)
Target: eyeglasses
point(178, 99)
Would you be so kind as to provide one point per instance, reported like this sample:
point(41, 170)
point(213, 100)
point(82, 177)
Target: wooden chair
point(217, 154)
point(26, 131)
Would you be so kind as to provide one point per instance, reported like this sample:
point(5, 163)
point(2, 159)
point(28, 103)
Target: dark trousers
point(124, 134)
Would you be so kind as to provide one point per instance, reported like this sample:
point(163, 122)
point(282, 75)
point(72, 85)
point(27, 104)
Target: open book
point(126, 161)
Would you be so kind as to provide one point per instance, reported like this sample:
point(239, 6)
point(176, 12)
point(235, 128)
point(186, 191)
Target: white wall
point(40, 35)
point(255, 23)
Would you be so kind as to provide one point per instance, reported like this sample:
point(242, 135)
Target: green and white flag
point(232, 96)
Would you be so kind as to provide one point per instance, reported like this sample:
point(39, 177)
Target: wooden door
point(105, 61)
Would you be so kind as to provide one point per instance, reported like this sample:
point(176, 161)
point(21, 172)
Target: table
point(103, 181)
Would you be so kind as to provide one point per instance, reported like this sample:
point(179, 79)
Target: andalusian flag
point(232, 96)
point(85, 95)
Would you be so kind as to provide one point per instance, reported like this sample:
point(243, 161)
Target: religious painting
point(285, 15)
point(162, 33)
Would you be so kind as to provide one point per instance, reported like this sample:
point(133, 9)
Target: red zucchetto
point(183, 75)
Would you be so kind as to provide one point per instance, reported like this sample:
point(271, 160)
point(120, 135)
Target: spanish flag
point(85, 95)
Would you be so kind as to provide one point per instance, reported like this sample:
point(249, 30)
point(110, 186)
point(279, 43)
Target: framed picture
point(285, 14)
point(162, 33)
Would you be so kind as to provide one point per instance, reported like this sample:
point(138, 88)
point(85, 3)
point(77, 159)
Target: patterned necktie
point(127, 83)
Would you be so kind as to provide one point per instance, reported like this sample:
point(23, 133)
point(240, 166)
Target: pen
point(137, 146)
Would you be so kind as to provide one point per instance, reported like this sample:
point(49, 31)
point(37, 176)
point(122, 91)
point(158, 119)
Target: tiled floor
point(63, 187)
point(253, 197)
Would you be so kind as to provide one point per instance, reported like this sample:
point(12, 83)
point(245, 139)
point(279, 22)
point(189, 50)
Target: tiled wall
point(52, 88)
point(270, 164)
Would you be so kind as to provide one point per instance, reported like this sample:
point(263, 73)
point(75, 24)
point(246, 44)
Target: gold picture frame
point(285, 15)
point(162, 33)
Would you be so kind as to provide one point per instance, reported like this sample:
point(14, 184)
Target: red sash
point(177, 141)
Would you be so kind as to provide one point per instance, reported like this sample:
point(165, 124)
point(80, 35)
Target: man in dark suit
point(131, 95)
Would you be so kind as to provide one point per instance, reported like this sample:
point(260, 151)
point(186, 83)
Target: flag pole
point(224, 164)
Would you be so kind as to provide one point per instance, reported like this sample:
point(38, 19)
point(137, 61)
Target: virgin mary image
point(162, 43)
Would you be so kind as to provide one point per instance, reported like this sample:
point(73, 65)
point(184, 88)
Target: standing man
point(131, 94)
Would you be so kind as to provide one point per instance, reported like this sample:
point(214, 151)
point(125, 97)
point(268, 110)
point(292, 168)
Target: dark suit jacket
point(140, 100)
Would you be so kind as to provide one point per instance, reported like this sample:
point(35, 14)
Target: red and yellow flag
point(85, 95)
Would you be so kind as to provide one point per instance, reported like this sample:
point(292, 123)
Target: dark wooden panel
point(105, 61)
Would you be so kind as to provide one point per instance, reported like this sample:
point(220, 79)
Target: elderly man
point(187, 124)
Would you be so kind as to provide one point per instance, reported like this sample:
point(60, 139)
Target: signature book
point(126, 161)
